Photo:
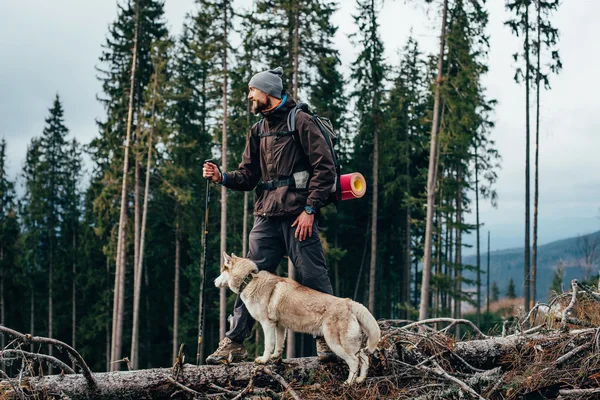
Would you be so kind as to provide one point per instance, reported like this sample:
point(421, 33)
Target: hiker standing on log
point(298, 173)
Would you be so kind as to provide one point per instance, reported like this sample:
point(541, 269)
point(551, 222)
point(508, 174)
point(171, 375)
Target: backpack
point(331, 136)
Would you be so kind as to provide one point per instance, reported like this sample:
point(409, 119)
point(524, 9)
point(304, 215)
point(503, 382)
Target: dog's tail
point(368, 324)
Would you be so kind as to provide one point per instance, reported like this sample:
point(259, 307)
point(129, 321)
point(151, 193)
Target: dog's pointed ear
point(226, 258)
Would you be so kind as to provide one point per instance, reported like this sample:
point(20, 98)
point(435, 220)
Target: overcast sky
point(49, 47)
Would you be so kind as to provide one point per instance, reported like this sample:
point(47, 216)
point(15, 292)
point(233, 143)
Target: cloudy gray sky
point(50, 47)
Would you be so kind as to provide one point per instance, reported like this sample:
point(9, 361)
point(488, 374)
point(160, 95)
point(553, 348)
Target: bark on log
point(154, 383)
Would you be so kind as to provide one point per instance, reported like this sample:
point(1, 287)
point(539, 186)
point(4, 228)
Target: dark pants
point(270, 239)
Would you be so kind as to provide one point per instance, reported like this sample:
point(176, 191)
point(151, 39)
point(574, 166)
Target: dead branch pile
point(552, 352)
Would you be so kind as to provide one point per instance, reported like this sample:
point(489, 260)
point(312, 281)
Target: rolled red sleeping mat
point(353, 186)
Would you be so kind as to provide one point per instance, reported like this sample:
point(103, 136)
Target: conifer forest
point(104, 244)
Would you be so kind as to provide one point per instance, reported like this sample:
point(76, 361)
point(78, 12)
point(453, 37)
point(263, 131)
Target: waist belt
point(270, 185)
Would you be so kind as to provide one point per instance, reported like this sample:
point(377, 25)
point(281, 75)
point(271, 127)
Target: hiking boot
point(324, 353)
point(227, 352)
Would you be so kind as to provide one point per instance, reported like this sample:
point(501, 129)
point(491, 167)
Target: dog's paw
point(261, 360)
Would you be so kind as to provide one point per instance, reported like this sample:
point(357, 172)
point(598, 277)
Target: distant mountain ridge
point(508, 263)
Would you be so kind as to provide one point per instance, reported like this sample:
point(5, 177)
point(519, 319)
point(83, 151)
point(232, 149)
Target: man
point(296, 181)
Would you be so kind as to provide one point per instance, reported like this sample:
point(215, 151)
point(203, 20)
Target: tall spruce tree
point(511, 291)
point(402, 147)
point(107, 150)
point(214, 18)
point(368, 74)
point(71, 224)
point(521, 24)
point(33, 213)
point(547, 39)
point(432, 174)
point(9, 236)
point(46, 174)
point(53, 169)
point(151, 125)
point(294, 35)
point(189, 143)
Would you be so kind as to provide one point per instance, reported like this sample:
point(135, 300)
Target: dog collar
point(246, 281)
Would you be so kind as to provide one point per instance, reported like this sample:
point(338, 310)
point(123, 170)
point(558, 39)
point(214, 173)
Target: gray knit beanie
point(269, 82)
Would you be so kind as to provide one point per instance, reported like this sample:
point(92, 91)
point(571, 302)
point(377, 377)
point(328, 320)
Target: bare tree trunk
point(74, 297)
point(438, 263)
point(147, 310)
point(291, 336)
point(108, 355)
point(407, 252)
point(336, 269)
point(245, 223)
point(118, 299)
point(432, 175)
point(478, 317)
point(296, 47)
point(488, 277)
point(136, 207)
point(362, 264)
point(537, 164)
point(527, 263)
point(32, 319)
point(2, 306)
point(451, 269)
point(458, 283)
point(137, 284)
point(447, 269)
point(176, 289)
point(223, 292)
point(50, 306)
point(374, 209)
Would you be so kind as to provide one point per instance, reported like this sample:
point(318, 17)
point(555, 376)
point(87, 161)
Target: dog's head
point(233, 272)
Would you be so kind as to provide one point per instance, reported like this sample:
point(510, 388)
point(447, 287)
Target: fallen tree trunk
point(404, 354)
point(156, 384)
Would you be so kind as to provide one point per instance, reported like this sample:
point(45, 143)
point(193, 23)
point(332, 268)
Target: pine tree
point(543, 27)
point(9, 236)
point(521, 24)
point(32, 214)
point(558, 279)
point(107, 150)
point(46, 182)
point(296, 36)
point(214, 18)
point(495, 293)
point(152, 118)
point(432, 174)
point(52, 170)
point(403, 156)
point(72, 205)
point(465, 149)
point(368, 74)
point(190, 116)
point(511, 291)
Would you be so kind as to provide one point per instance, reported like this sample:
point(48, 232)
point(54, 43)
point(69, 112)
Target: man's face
point(260, 100)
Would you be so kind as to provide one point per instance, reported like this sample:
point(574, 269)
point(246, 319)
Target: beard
point(258, 107)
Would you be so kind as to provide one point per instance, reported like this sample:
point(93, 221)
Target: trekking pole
point(203, 266)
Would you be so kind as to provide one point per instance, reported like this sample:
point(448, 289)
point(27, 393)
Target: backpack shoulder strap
point(291, 119)
point(262, 133)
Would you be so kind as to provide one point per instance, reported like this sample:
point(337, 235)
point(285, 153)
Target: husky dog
point(280, 303)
